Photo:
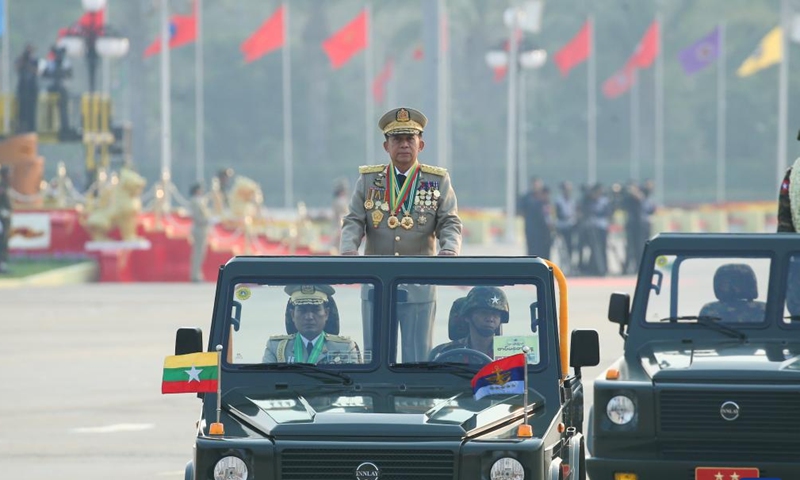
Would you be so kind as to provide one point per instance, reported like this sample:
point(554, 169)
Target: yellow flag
point(768, 53)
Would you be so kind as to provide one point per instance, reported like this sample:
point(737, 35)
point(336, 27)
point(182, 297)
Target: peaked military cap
point(402, 121)
point(309, 294)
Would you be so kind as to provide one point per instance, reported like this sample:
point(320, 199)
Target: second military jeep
point(363, 407)
point(708, 387)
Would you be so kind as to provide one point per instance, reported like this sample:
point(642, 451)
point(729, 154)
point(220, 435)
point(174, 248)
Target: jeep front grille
point(696, 414)
point(336, 464)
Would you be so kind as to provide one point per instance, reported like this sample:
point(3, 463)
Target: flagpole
point(522, 139)
point(288, 152)
point(199, 99)
point(166, 111)
point(6, 71)
point(511, 144)
point(591, 108)
point(635, 123)
point(441, 102)
point(370, 102)
point(217, 428)
point(783, 92)
point(721, 120)
point(659, 121)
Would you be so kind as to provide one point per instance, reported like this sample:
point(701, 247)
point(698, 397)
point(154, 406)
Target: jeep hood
point(757, 360)
point(362, 415)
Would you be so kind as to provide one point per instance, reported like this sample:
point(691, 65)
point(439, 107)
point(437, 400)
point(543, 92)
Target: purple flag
point(701, 53)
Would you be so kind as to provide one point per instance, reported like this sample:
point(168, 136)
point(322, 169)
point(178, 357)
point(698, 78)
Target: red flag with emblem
point(647, 49)
point(576, 51)
point(348, 41)
point(182, 31)
point(268, 37)
point(619, 83)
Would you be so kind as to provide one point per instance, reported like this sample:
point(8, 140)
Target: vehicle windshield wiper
point(458, 368)
point(710, 322)
point(299, 367)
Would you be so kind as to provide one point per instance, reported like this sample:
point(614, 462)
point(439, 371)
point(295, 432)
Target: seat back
point(736, 289)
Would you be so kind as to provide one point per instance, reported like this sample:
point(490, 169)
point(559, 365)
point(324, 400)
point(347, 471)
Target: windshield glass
point(316, 324)
point(469, 324)
point(724, 289)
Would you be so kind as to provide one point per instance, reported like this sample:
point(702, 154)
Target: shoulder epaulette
point(371, 168)
point(337, 338)
point(434, 170)
point(280, 337)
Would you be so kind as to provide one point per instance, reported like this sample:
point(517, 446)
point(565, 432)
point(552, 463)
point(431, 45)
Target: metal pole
point(431, 71)
point(511, 143)
point(6, 71)
point(522, 135)
point(591, 108)
point(166, 112)
point(783, 92)
point(441, 100)
point(721, 107)
point(370, 102)
point(635, 124)
point(659, 123)
point(199, 97)
point(106, 62)
point(288, 164)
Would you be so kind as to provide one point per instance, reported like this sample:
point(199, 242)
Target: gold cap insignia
point(307, 289)
point(402, 115)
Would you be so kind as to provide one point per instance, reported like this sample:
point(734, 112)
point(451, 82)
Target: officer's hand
point(352, 252)
point(447, 253)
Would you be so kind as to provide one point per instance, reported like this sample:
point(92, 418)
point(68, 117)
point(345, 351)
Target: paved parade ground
point(81, 383)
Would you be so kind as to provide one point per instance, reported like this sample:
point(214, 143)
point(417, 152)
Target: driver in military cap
point(483, 310)
point(404, 207)
point(310, 310)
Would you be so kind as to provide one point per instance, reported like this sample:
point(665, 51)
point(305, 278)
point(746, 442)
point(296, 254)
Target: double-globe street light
point(517, 19)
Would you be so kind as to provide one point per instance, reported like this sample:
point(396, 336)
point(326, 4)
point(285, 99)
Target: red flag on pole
point(182, 31)
point(619, 83)
point(351, 39)
point(576, 51)
point(93, 20)
point(268, 38)
point(381, 80)
point(647, 49)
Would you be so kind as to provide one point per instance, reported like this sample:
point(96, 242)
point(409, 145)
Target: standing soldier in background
point(338, 211)
point(403, 208)
point(5, 216)
point(200, 221)
point(789, 199)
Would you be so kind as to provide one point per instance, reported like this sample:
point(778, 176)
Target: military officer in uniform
point(481, 314)
point(201, 217)
point(310, 309)
point(789, 199)
point(404, 208)
point(5, 216)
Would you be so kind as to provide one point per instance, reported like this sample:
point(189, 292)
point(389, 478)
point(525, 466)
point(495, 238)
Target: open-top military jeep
point(344, 403)
point(709, 384)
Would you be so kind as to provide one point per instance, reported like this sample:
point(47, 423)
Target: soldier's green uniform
point(789, 200)
point(428, 215)
point(736, 289)
point(335, 349)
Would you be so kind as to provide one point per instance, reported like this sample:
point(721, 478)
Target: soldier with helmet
point(312, 321)
point(482, 312)
point(404, 207)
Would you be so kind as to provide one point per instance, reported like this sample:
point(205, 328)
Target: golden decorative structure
point(118, 205)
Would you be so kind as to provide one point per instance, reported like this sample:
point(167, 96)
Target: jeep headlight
point(230, 468)
point(507, 469)
point(620, 409)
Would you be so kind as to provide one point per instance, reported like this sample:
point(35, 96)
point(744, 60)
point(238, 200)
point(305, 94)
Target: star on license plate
point(724, 473)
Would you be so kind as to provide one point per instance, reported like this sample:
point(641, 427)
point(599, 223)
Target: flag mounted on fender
point(194, 372)
point(501, 377)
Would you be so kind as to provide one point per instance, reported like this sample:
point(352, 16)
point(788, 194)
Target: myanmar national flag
point(501, 377)
point(195, 372)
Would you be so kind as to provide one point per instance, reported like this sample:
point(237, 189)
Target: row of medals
point(427, 199)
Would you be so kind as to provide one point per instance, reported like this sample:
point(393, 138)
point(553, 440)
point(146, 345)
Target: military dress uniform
point(427, 214)
point(789, 200)
point(335, 349)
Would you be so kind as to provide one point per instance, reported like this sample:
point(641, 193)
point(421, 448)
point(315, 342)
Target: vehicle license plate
point(724, 473)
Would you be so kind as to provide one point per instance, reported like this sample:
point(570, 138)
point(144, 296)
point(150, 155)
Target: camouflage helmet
point(491, 298)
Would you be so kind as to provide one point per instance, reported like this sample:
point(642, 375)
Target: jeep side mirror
point(619, 308)
point(584, 349)
point(188, 340)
